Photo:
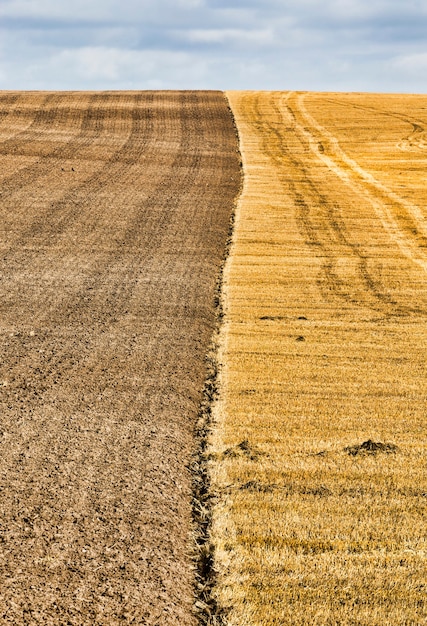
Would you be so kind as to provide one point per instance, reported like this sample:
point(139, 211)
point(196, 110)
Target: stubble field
point(114, 212)
point(318, 457)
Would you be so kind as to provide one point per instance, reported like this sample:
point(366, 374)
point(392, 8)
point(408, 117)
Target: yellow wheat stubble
point(323, 350)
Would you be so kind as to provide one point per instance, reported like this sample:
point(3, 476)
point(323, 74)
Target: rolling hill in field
point(115, 211)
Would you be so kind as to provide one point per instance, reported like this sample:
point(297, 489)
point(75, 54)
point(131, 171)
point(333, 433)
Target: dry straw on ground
point(318, 457)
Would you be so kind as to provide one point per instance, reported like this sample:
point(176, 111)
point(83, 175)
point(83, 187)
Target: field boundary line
point(206, 500)
point(207, 609)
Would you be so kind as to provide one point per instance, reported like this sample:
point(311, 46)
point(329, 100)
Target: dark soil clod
point(248, 392)
point(244, 448)
point(371, 447)
point(254, 485)
point(272, 318)
point(244, 445)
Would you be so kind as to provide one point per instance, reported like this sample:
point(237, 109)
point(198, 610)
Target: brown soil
point(114, 213)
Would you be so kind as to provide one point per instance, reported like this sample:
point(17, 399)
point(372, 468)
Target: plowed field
point(318, 458)
point(114, 212)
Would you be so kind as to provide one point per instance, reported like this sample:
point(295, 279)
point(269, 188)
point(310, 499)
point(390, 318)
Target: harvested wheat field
point(318, 456)
point(115, 210)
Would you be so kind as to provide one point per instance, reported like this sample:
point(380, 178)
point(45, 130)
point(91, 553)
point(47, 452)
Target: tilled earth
point(114, 212)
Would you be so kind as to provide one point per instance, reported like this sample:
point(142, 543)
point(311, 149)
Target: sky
point(315, 45)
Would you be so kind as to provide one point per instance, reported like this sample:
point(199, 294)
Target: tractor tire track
point(405, 222)
point(8, 105)
point(39, 119)
point(416, 139)
point(318, 217)
point(106, 268)
point(89, 124)
point(55, 227)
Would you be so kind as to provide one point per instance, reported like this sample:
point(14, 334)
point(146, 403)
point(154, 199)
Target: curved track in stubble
point(115, 210)
point(318, 214)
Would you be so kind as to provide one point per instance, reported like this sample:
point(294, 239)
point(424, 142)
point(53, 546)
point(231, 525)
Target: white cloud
point(98, 10)
point(376, 45)
point(231, 36)
point(116, 65)
point(104, 68)
point(413, 63)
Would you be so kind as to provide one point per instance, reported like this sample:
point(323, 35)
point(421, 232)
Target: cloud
point(100, 11)
point(372, 45)
point(132, 67)
point(412, 63)
point(230, 36)
point(116, 68)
